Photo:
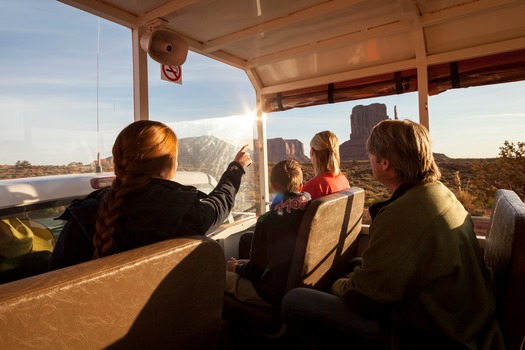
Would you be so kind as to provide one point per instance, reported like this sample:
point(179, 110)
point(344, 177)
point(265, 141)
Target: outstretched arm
point(214, 208)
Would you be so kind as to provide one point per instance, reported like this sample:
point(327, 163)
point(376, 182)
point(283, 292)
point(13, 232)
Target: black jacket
point(272, 246)
point(161, 210)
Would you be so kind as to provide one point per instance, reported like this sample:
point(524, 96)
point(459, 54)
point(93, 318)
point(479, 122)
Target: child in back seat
point(262, 278)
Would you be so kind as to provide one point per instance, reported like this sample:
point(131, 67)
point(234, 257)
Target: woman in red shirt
point(324, 152)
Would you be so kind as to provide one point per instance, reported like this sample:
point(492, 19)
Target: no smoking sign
point(171, 73)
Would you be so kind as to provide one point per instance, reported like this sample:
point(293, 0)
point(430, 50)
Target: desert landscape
point(473, 181)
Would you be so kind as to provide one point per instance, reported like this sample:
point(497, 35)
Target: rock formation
point(362, 120)
point(209, 151)
point(205, 153)
point(280, 149)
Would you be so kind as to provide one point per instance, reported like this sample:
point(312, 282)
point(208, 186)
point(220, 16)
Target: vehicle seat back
point(322, 252)
point(329, 227)
point(165, 295)
point(504, 252)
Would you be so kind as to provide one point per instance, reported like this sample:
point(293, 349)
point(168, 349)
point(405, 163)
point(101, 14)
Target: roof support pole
point(420, 50)
point(262, 149)
point(422, 92)
point(422, 76)
point(140, 76)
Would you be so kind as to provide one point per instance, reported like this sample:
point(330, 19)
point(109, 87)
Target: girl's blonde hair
point(143, 150)
point(325, 153)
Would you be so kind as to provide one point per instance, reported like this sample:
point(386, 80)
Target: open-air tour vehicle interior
point(296, 54)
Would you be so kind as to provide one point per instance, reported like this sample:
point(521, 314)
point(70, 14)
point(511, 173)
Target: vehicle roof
point(309, 52)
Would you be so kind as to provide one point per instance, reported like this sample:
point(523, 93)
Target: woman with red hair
point(143, 206)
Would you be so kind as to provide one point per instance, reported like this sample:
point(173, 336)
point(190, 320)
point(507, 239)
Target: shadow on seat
point(162, 296)
point(322, 253)
point(505, 254)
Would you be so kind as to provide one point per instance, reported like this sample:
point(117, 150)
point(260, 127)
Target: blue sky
point(48, 94)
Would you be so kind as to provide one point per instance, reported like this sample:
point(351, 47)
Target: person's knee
point(292, 300)
point(303, 304)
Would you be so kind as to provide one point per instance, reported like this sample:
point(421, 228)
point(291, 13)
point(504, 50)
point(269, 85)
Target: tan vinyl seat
point(505, 254)
point(322, 252)
point(163, 296)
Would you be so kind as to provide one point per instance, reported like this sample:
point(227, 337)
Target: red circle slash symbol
point(172, 73)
